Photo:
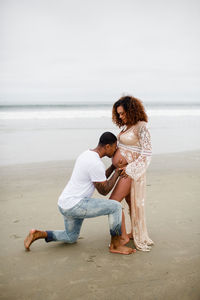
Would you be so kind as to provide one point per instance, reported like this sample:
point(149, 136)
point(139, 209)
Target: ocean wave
point(44, 114)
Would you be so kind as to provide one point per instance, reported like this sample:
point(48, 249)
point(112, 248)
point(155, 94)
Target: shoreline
point(70, 162)
point(86, 270)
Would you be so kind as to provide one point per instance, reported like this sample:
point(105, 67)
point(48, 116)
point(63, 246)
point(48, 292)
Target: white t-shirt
point(88, 169)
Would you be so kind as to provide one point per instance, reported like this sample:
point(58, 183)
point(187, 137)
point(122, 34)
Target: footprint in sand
point(91, 258)
point(15, 236)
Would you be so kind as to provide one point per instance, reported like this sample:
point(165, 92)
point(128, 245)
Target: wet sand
point(86, 270)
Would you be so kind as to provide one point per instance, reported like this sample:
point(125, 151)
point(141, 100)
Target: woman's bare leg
point(128, 200)
point(121, 190)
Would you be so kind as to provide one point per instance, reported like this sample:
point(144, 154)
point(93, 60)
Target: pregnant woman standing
point(134, 152)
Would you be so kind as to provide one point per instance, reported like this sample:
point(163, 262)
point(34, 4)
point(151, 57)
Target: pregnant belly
point(116, 159)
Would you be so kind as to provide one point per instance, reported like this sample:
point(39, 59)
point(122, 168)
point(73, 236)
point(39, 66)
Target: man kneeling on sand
point(75, 202)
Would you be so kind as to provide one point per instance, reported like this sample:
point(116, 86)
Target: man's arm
point(106, 186)
point(110, 170)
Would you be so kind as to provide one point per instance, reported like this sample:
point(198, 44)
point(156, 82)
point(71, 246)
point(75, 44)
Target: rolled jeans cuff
point(116, 232)
point(49, 237)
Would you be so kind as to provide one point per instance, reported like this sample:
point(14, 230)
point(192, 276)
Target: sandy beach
point(86, 270)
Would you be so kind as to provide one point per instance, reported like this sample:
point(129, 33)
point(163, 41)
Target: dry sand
point(86, 270)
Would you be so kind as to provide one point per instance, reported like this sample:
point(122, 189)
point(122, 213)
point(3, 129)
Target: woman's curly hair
point(134, 111)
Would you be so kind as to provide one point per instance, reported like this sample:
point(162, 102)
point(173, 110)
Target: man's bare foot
point(121, 249)
point(32, 236)
point(117, 247)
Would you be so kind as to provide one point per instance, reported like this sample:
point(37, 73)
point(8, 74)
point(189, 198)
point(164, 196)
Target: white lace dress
point(135, 145)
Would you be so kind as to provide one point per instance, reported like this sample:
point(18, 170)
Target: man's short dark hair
point(107, 138)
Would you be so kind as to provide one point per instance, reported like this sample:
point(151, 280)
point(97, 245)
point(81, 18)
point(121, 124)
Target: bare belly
point(116, 159)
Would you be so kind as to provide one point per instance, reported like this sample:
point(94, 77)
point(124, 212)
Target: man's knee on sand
point(72, 240)
point(67, 237)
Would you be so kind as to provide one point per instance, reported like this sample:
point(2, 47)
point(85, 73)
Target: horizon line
point(92, 104)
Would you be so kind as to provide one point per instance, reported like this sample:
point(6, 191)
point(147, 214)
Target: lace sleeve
point(138, 167)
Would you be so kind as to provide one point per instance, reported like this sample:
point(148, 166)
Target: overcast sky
point(58, 51)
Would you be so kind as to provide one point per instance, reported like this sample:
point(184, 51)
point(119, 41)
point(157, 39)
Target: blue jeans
point(87, 208)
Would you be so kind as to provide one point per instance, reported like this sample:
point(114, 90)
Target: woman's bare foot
point(130, 235)
point(32, 236)
point(124, 240)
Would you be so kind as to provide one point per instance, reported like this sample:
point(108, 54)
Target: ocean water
point(46, 133)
